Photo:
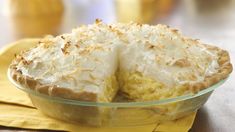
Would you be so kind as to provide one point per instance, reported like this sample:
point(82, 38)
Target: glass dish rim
point(116, 104)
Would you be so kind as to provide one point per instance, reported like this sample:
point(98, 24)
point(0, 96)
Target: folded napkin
point(16, 109)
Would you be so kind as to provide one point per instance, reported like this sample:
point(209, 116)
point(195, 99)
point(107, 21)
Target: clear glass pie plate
point(118, 113)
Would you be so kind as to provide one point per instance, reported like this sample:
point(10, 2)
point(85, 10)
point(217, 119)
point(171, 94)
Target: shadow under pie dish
point(158, 73)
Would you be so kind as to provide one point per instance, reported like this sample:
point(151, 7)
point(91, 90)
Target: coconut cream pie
point(144, 62)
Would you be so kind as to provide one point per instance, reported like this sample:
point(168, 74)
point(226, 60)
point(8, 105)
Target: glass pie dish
point(117, 114)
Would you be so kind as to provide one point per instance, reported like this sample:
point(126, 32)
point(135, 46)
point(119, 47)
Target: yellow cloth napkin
point(16, 109)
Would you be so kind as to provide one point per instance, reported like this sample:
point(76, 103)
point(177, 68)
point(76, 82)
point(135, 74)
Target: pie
point(144, 62)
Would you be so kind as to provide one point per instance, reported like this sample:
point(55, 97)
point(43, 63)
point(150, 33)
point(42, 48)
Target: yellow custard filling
point(142, 88)
point(110, 89)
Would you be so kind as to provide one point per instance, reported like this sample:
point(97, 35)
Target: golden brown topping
point(65, 49)
point(19, 71)
point(25, 62)
point(62, 37)
point(91, 48)
point(174, 30)
point(77, 45)
point(151, 46)
point(98, 21)
point(191, 41)
point(46, 43)
point(182, 63)
point(118, 32)
point(83, 52)
point(15, 55)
